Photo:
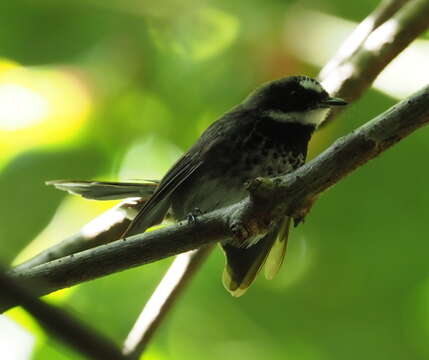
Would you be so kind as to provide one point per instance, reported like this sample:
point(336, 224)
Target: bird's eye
point(293, 95)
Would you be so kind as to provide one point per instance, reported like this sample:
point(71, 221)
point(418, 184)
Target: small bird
point(264, 136)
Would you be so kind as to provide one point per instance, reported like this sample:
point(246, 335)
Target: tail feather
point(97, 190)
point(244, 264)
point(277, 252)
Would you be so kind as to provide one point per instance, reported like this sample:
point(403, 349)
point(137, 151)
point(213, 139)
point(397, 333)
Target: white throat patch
point(310, 117)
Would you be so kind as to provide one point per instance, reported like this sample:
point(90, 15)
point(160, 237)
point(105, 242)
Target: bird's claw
point(192, 216)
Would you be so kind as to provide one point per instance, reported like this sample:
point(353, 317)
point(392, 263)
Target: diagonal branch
point(355, 42)
point(249, 217)
point(107, 227)
point(351, 77)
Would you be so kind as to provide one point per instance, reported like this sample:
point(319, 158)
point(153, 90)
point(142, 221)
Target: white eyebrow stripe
point(309, 84)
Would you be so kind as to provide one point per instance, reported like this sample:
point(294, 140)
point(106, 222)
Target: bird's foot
point(192, 216)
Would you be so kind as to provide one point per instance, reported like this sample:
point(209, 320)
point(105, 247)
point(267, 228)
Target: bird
point(266, 135)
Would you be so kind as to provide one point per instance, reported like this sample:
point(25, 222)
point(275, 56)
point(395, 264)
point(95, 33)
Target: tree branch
point(59, 323)
point(355, 74)
point(354, 43)
point(251, 216)
point(107, 227)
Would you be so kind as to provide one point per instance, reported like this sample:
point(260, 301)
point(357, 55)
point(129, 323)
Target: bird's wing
point(155, 209)
point(100, 190)
point(205, 150)
point(277, 253)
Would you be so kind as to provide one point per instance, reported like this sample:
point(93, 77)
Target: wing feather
point(155, 209)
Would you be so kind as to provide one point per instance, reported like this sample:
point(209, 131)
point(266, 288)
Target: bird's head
point(297, 99)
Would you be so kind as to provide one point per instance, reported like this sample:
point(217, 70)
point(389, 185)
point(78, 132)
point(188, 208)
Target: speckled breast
point(220, 184)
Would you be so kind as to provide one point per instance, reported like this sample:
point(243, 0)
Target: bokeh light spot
point(198, 35)
point(39, 107)
point(20, 107)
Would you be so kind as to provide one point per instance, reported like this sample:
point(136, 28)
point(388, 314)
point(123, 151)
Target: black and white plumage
point(266, 135)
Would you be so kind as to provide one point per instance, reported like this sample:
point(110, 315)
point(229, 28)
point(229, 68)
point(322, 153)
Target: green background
point(138, 82)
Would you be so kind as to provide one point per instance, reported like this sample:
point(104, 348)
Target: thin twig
point(286, 193)
point(59, 323)
point(163, 299)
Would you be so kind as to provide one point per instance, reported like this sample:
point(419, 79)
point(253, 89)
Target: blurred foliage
point(112, 89)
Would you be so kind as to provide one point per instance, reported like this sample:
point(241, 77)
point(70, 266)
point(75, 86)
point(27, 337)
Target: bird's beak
point(333, 101)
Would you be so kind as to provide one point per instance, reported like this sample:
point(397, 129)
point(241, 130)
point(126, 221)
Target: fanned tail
point(243, 264)
point(277, 252)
